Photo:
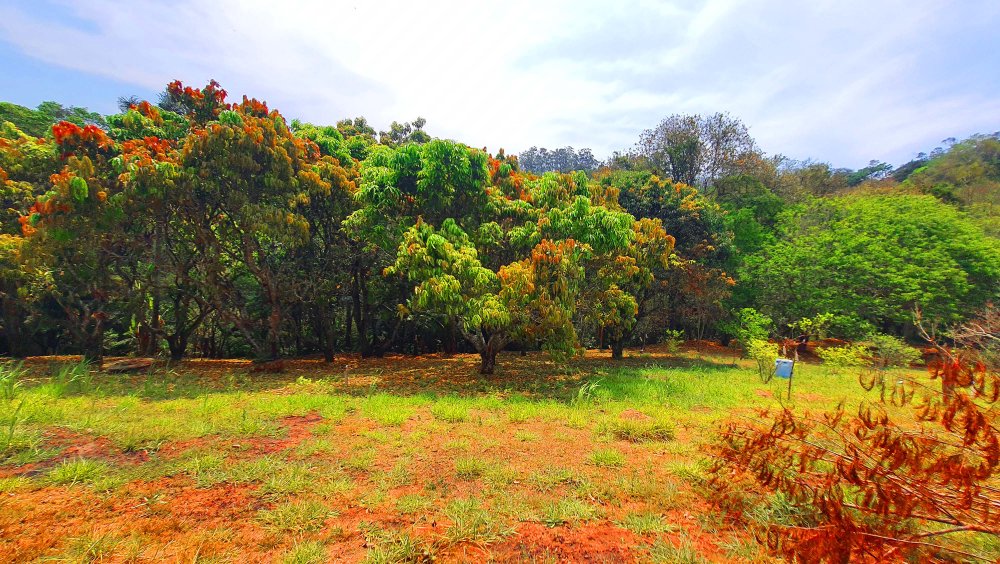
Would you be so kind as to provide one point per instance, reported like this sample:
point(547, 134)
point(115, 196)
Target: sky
point(843, 82)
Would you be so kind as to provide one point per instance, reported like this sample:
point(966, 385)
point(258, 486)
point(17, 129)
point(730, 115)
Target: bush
point(888, 352)
point(673, 338)
point(844, 357)
point(764, 354)
point(815, 327)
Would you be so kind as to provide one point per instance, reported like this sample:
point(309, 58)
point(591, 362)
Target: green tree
point(434, 181)
point(693, 292)
point(39, 122)
point(529, 299)
point(871, 259)
point(967, 174)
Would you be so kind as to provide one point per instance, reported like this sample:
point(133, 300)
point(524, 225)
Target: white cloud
point(843, 81)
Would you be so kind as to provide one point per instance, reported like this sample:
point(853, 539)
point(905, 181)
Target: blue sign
point(783, 368)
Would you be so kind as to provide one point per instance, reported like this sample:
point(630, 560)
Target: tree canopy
point(201, 225)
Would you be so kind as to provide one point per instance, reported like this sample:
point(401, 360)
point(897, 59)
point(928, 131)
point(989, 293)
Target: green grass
point(607, 458)
point(549, 478)
point(568, 511)
point(386, 409)
point(500, 476)
point(361, 461)
point(77, 471)
point(399, 475)
point(296, 516)
point(12, 484)
point(314, 447)
point(458, 444)
point(377, 445)
point(290, 478)
point(684, 552)
point(70, 379)
point(526, 436)
point(306, 552)
point(470, 467)
point(471, 522)
point(92, 547)
point(413, 503)
point(646, 524)
point(11, 374)
point(638, 431)
point(450, 410)
point(393, 547)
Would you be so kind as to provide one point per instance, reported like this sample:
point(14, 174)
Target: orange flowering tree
point(245, 180)
point(69, 228)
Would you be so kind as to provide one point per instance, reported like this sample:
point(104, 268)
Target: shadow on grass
point(533, 376)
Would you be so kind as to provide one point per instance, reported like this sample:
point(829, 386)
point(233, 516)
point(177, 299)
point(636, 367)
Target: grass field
point(388, 460)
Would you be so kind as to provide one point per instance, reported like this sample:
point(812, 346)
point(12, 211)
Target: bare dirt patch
point(591, 542)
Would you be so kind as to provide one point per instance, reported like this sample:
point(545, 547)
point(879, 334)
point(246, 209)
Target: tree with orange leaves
point(70, 245)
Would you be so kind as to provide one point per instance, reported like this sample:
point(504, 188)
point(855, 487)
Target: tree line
point(201, 226)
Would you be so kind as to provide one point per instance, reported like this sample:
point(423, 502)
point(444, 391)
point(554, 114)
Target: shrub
point(846, 356)
point(673, 338)
point(748, 325)
point(888, 351)
point(849, 487)
point(764, 355)
point(814, 327)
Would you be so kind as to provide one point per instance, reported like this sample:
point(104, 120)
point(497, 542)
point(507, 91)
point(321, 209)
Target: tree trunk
point(178, 346)
point(347, 330)
point(617, 349)
point(274, 331)
point(489, 350)
point(359, 317)
point(93, 349)
point(451, 344)
point(488, 362)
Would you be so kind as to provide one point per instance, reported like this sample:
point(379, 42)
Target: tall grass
point(71, 379)
point(11, 374)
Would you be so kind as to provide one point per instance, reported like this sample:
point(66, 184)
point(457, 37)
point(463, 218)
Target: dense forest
point(199, 226)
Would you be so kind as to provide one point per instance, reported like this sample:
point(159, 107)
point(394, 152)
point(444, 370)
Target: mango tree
point(532, 298)
point(245, 178)
point(433, 181)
